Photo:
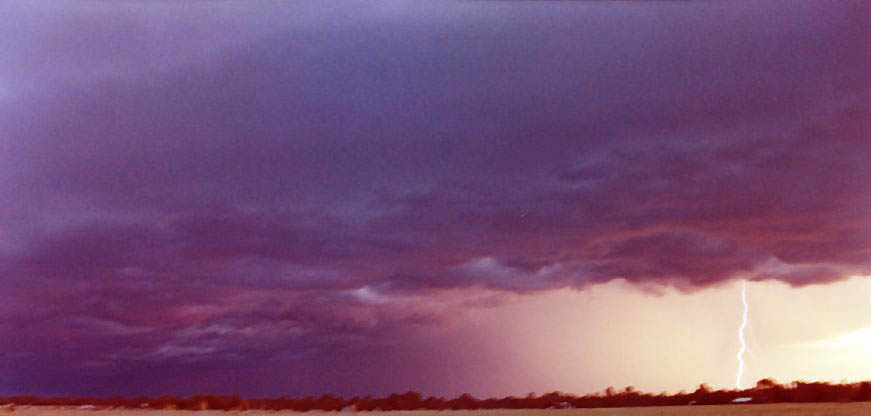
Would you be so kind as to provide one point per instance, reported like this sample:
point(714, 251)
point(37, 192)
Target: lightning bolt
point(741, 336)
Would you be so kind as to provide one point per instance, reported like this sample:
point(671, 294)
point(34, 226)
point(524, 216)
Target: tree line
point(765, 391)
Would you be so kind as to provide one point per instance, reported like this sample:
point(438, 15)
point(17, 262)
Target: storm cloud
point(215, 185)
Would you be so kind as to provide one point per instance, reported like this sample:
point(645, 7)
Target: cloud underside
point(320, 183)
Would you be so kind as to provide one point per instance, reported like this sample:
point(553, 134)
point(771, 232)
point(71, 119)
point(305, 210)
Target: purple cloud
point(217, 189)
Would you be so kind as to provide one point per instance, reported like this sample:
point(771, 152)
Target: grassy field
point(821, 409)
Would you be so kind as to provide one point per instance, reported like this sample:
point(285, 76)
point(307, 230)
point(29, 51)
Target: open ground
point(791, 409)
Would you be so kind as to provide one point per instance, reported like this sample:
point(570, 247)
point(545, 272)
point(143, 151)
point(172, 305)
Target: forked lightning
point(741, 336)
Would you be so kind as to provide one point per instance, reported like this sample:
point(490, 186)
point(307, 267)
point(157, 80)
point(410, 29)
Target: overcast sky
point(487, 196)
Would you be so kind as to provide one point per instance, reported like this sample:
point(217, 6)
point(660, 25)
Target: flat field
point(792, 409)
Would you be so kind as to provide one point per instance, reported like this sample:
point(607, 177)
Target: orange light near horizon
point(615, 334)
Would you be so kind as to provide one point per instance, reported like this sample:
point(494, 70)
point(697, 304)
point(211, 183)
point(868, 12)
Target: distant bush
point(766, 391)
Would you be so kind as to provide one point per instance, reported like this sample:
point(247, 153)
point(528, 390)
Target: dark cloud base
point(327, 190)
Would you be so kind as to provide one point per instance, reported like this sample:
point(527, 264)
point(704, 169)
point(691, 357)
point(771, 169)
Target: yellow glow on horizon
point(860, 338)
point(616, 334)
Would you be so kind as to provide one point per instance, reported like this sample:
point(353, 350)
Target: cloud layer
point(210, 185)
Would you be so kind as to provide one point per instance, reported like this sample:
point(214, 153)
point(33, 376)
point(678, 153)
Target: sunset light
point(422, 205)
